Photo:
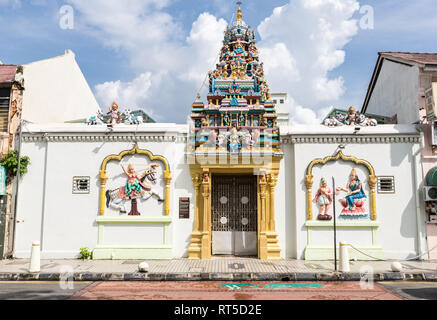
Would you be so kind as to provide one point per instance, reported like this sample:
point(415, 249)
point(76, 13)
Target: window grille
point(81, 185)
point(386, 185)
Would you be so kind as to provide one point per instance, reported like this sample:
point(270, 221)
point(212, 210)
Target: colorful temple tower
point(240, 116)
point(235, 134)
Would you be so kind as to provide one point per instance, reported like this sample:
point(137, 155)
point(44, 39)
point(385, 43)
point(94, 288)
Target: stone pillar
point(372, 185)
point(206, 225)
point(167, 180)
point(103, 179)
point(194, 250)
point(309, 186)
point(262, 241)
point(273, 248)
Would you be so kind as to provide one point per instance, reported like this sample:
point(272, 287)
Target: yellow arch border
point(372, 181)
point(152, 157)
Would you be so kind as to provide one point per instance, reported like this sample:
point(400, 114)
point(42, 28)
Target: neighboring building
point(280, 100)
point(398, 89)
point(51, 90)
point(231, 183)
point(56, 91)
point(11, 92)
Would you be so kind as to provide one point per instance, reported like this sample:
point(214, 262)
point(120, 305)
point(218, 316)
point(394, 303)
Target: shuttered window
point(4, 108)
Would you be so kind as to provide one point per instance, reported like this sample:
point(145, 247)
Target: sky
point(155, 54)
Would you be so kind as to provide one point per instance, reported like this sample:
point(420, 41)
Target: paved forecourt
point(214, 269)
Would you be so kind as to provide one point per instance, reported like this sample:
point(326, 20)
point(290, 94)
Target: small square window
point(386, 185)
point(281, 101)
point(275, 101)
point(81, 185)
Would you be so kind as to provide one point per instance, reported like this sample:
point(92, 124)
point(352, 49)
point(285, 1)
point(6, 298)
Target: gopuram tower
point(235, 133)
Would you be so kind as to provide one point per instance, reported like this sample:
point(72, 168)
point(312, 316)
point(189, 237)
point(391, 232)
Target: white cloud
point(171, 66)
point(301, 43)
point(131, 94)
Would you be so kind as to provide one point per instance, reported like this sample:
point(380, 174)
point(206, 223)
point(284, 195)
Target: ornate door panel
point(234, 215)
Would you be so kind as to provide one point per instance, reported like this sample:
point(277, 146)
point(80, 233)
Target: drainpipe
point(418, 180)
point(14, 223)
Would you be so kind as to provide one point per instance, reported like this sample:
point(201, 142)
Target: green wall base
point(326, 253)
point(133, 253)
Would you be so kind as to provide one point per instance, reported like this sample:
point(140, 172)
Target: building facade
point(398, 89)
point(51, 90)
point(234, 181)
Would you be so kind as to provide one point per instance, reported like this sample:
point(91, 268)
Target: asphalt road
point(40, 290)
point(413, 290)
point(191, 291)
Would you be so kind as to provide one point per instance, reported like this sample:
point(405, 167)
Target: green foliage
point(10, 162)
point(85, 253)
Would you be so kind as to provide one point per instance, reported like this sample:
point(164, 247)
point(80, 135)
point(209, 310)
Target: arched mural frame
point(119, 157)
point(372, 180)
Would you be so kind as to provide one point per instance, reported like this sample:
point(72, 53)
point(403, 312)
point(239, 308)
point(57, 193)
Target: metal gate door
point(234, 215)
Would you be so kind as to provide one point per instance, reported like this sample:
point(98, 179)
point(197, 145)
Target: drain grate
point(132, 262)
point(236, 266)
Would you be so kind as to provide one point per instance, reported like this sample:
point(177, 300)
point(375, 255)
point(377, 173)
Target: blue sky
point(160, 71)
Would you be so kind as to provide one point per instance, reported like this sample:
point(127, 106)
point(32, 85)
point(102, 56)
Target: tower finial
point(239, 14)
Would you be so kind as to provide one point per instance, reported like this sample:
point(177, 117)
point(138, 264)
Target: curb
point(384, 276)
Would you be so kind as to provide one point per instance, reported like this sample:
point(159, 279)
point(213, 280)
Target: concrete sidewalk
point(235, 269)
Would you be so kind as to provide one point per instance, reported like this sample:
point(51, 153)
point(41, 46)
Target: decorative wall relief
point(353, 203)
point(139, 185)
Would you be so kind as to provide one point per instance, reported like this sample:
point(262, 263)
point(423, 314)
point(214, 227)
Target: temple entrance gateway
point(234, 215)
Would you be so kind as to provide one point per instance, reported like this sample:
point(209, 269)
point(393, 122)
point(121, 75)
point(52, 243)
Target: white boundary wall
point(64, 222)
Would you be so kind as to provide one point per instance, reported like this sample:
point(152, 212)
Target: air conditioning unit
point(430, 193)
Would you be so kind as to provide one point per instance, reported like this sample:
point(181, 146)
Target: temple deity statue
point(324, 199)
point(354, 200)
point(115, 115)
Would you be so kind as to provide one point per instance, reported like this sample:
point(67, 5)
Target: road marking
point(408, 282)
point(41, 282)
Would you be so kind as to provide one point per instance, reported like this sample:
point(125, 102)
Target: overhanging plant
point(10, 162)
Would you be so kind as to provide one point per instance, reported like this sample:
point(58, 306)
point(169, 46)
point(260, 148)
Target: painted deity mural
point(239, 116)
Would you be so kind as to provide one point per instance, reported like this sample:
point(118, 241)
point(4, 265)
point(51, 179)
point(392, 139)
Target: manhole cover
point(236, 266)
